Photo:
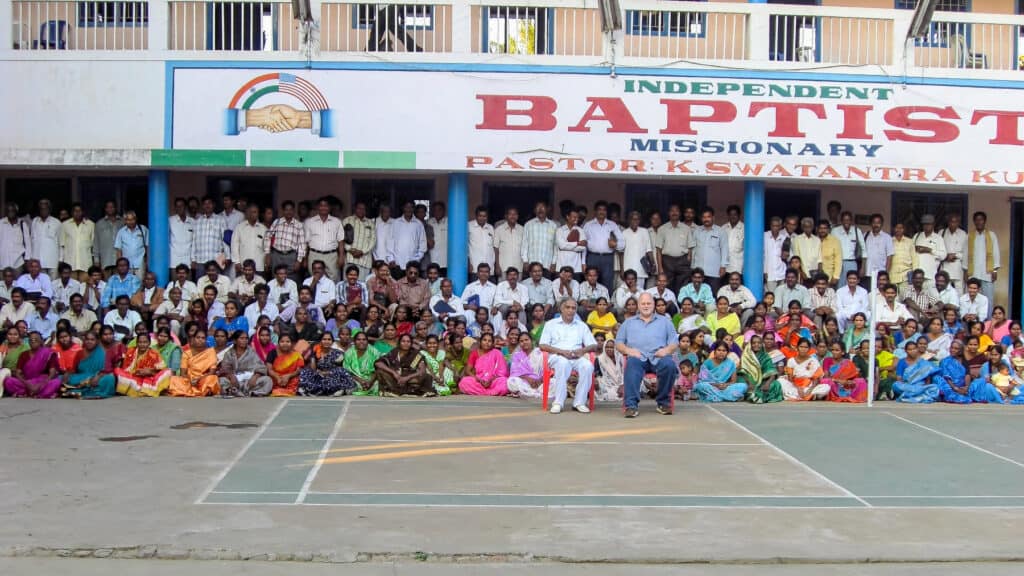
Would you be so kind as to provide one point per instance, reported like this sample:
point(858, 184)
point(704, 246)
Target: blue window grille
point(126, 13)
point(940, 33)
point(666, 23)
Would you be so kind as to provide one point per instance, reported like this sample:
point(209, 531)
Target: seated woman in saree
point(36, 375)
point(803, 375)
point(283, 366)
point(359, 361)
point(324, 374)
point(526, 375)
point(86, 378)
point(402, 372)
point(842, 376)
point(458, 357)
point(232, 322)
point(263, 343)
point(143, 371)
point(66, 350)
point(952, 377)
point(716, 381)
point(437, 366)
point(198, 374)
point(794, 330)
point(913, 377)
point(858, 331)
point(758, 372)
point(168, 349)
point(304, 333)
point(242, 372)
point(723, 317)
point(113, 349)
point(938, 339)
point(11, 349)
point(486, 371)
point(996, 382)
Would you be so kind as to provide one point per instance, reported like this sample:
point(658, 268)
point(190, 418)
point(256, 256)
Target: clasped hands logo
point(315, 115)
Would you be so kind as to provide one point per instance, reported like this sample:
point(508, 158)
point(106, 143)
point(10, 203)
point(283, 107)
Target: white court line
point(718, 508)
point(515, 442)
point(790, 457)
point(256, 434)
point(536, 495)
point(955, 439)
point(323, 455)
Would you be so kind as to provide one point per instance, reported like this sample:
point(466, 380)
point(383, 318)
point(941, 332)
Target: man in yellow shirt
point(904, 258)
point(831, 253)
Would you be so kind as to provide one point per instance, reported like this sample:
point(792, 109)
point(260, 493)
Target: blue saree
point(951, 373)
point(710, 375)
point(913, 382)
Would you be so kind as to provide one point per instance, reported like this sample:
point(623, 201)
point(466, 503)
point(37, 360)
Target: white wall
point(82, 104)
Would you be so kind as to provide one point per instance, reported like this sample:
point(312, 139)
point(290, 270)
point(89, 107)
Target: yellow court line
point(516, 414)
point(414, 453)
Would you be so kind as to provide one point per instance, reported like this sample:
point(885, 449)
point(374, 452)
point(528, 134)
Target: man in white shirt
point(449, 299)
point(63, 288)
point(46, 231)
point(878, 250)
point(214, 278)
point(807, 246)
point(181, 227)
point(76, 241)
point(324, 240)
point(661, 290)
point(175, 309)
point(34, 282)
point(508, 242)
point(851, 239)
point(408, 240)
point(741, 299)
point(851, 299)
point(189, 290)
point(956, 250)
point(930, 248)
point(481, 241)
point(15, 239)
point(247, 241)
point(510, 296)
point(260, 306)
point(539, 288)
point(636, 245)
point(572, 244)
point(284, 292)
point(16, 310)
point(243, 288)
point(890, 312)
point(948, 294)
point(479, 293)
point(983, 257)
point(384, 245)
point(735, 232)
point(568, 341)
point(974, 305)
point(439, 222)
point(774, 265)
point(122, 319)
point(603, 241)
point(586, 293)
point(232, 218)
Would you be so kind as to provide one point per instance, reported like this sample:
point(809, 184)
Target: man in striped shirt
point(286, 242)
point(539, 239)
point(208, 239)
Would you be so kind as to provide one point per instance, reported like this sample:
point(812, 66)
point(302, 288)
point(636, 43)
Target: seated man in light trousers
point(568, 341)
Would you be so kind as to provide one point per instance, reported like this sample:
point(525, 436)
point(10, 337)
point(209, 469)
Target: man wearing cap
point(930, 249)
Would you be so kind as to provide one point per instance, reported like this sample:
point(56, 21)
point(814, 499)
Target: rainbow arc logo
point(314, 115)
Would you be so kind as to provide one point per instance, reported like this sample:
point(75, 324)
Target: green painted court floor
point(462, 452)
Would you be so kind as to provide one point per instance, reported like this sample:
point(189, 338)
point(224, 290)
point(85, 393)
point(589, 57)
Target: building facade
point(780, 108)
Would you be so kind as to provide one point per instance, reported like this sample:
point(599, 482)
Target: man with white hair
point(648, 341)
point(568, 341)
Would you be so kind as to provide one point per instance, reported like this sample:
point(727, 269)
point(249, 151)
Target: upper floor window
point(408, 16)
point(517, 30)
point(940, 33)
point(126, 13)
point(666, 23)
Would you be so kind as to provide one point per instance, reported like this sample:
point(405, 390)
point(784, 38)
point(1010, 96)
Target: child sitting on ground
point(684, 385)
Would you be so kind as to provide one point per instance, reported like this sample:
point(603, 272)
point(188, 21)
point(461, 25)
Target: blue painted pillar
point(159, 230)
point(458, 229)
point(753, 237)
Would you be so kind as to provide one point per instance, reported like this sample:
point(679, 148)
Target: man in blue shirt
point(120, 284)
point(43, 319)
point(568, 341)
point(132, 242)
point(648, 341)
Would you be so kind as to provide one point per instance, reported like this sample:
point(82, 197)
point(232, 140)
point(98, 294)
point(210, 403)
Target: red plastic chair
point(548, 373)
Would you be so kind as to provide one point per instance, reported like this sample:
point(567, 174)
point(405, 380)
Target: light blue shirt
point(647, 337)
point(702, 296)
point(566, 336)
point(712, 250)
point(45, 325)
point(132, 244)
point(116, 286)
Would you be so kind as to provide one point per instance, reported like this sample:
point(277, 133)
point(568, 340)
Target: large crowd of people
point(304, 301)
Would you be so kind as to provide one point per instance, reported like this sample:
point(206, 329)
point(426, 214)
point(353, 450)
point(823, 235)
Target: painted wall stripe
point(181, 158)
point(294, 158)
point(379, 160)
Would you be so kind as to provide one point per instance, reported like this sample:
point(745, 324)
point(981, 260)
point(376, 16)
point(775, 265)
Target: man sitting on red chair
point(568, 342)
point(648, 341)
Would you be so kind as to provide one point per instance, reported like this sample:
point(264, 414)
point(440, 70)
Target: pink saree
point(487, 366)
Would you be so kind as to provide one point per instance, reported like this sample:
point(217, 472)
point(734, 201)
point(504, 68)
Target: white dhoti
point(791, 392)
point(522, 388)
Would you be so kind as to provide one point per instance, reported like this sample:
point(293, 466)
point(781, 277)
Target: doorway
point(1016, 253)
point(793, 38)
point(783, 202)
point(258, 190)
point(500, 196)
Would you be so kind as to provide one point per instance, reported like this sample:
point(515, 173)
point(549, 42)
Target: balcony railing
point(658, 32)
